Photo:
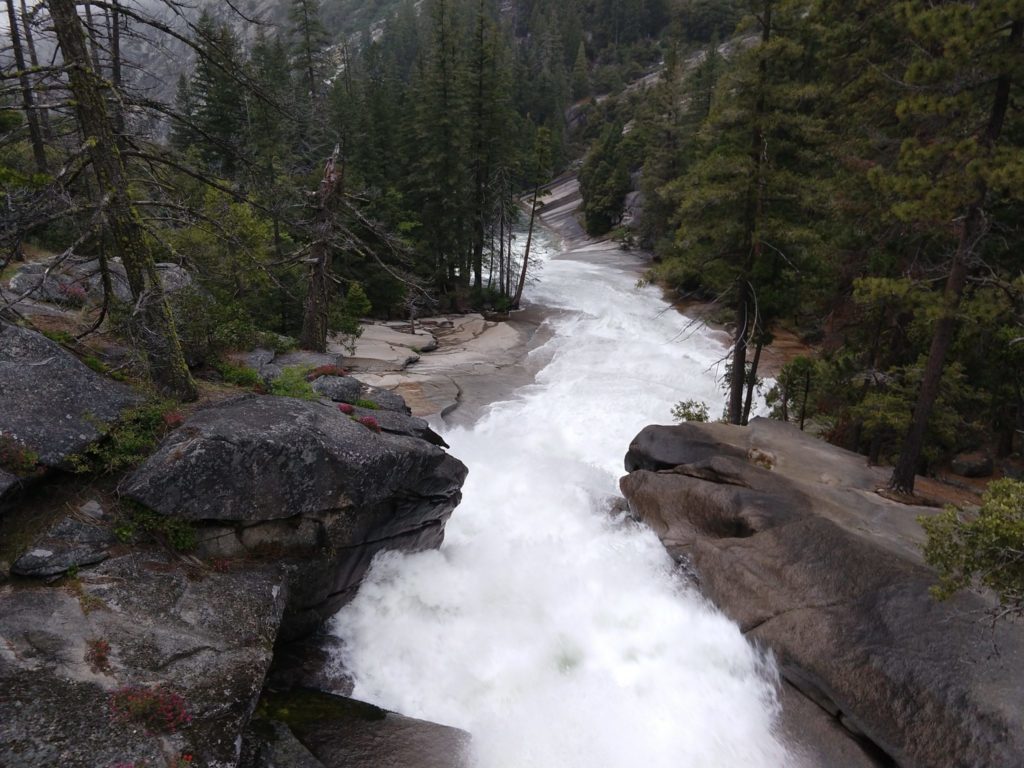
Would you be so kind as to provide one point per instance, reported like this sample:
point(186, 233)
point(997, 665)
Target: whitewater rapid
point(557, 634)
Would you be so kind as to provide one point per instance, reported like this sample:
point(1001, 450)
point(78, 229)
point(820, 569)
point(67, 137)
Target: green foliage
point(292, 383)
point(604, 182)
point(95, 364)
point(17, 458)
point(208, 327)
point(127, 441)
point(238, 375)
point(368, 404)
point(135, 523)
point(790, 397)
point(690, 410)
point(61, 337)
point(346, 313)
point(987, 550)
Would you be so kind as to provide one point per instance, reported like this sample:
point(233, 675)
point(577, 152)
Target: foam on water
point(559, 636)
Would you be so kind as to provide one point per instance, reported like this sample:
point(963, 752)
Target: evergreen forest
point(851, 173)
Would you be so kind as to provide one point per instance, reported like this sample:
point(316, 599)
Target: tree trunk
point(115, 67)
point(27, 97)
point(33, 57)
point(315, 314)
point(752, 382)
point(755, 211)
point(806, 396)
point(152, 319)
point(526, 252)
point(94, 48)
point(737, 376)
point(972, 230)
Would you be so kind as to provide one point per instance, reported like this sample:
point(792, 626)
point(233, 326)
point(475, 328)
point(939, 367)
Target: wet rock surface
point(345, 733)
point(788, 537)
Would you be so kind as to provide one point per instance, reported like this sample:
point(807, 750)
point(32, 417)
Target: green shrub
point(61, 337)
point(96, 364)
point(135, 522)
point(292, 383)
point(690, 410)
point(16, 458)
point(367, 404)
point(239, 375)
point(126, 442)
point(987, 551)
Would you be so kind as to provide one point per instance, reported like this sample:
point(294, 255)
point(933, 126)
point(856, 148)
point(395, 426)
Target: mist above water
point(559, 635)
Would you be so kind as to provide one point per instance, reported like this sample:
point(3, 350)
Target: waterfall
point(557, 633)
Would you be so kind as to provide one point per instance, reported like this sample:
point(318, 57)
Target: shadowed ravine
point(555, 632)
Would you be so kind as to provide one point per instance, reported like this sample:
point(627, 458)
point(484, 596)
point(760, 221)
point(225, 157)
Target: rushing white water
point(556, 634)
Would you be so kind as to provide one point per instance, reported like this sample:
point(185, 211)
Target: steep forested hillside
point(852, 171)
point(848, 171)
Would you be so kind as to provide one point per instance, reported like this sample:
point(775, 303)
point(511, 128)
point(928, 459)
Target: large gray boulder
point(346, 733)
point(787, 535)
point(49, 400)
point(301, 480)
point(78, 280)
point(141, 621)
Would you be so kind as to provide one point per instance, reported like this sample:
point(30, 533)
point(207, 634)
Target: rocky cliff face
point(115, 653)
point(787, 536)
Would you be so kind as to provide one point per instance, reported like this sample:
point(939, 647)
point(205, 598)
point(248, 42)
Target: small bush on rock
point(370, 423)
point(126, 442)
point(690, 410)
point(347, 409)
point(157, 709)
point(98, 655)
point(367, 404)
point(988, 551)
point(326, 370)
point(135, 520)
point(292, 383)
point(239, 375)
point(17, 458)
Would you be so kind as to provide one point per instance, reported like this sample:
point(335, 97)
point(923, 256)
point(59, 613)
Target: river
point(559, 634)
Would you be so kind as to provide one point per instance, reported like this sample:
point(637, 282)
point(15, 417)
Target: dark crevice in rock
point(710, 474)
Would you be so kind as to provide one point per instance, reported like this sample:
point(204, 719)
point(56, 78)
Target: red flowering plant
point(370, 423)
point(98, 655)
point(72, 293)
point(326, 370)
point(347, 409)
point(157, 709)
point(173, 419)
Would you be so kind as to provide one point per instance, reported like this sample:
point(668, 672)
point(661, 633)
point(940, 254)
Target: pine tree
point(441, 185)
point(28, 96)
point(581, 74)
point(217, 99)
point(604, 182)
point(748, 208)
point(968, 60)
